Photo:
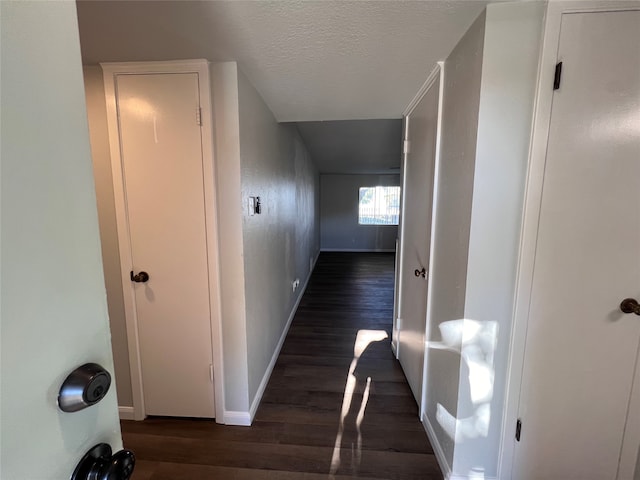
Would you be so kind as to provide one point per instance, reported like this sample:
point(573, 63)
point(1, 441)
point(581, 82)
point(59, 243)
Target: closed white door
point(580, 416)
point(421, 131)
point(54, 311)
point(163, 180)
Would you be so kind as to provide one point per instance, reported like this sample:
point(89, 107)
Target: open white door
point(54, 311)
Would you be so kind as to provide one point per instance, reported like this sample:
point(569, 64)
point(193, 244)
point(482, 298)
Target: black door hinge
point(518, 429)
point(557, 76)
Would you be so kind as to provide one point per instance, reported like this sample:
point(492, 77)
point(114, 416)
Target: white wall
point(339, 228)
point(224, 86)
point(462, 71)
point(97, 115)
point(282, 242)
point(512, 43)
point(489, 94)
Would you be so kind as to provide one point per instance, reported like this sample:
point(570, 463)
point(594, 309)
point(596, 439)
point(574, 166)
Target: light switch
point(255, 208)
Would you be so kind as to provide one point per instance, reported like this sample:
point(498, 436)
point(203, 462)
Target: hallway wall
point(282, 243)
point(489, 94)
point(461, 88)
point(339, 226)
point(512, 43)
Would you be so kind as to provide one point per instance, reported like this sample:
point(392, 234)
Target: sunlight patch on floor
point(363, 339)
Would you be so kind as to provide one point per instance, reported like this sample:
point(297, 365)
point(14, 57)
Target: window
point(379, 205)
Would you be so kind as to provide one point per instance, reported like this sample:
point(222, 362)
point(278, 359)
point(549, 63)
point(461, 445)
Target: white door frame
point(436, 73)
point(397, 310)
point(531, 214)
point(201, 67)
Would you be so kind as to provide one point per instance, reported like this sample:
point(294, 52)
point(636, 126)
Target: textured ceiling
point(354, 146)
point(310, 60)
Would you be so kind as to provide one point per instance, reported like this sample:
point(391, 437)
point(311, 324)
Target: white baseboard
point(126, 413)
point(454, 476)
point(372, 250)
point(437, 449)
point(440, 457)
point(242, 419)
point(276, 353)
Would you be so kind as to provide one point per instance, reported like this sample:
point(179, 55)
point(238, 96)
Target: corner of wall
point(512, 42)
point(226, 124)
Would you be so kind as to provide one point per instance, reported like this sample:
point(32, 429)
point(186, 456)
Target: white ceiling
point(310, 60)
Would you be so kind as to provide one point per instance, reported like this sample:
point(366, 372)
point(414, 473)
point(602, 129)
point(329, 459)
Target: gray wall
point(462, 71)
point(339, 228)
point(99, 136)
point(282, 243)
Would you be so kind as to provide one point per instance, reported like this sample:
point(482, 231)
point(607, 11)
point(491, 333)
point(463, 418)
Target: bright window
point(379, 206)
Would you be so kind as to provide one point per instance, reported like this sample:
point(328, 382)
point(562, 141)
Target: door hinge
point(518, 429)
point(199, 116)
point(557, 76)
point(406, 147)
point(211, 372)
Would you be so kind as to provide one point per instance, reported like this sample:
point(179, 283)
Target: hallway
point(297, 433)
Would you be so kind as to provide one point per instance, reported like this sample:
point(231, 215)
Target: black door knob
point(141, 277)
point(99, 464)
point(630, 305)
point(420, 273)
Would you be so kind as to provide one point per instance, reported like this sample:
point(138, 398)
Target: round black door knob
point(120, 467)
point(99, 464)
point(141, 277)
point(630, 305)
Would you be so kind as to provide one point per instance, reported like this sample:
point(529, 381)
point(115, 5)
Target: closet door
point(161, 151)
point(579, 411)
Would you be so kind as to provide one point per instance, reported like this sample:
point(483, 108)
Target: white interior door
point(54, 312)
point(421, 131)
point(581, 350)
point(161, 153)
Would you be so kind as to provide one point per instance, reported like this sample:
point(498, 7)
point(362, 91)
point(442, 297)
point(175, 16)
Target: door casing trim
point(201, 67)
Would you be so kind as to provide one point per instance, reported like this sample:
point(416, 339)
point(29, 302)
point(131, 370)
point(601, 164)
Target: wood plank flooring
point(294, 432)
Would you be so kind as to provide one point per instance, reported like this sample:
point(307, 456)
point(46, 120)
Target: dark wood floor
point(294, 432)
